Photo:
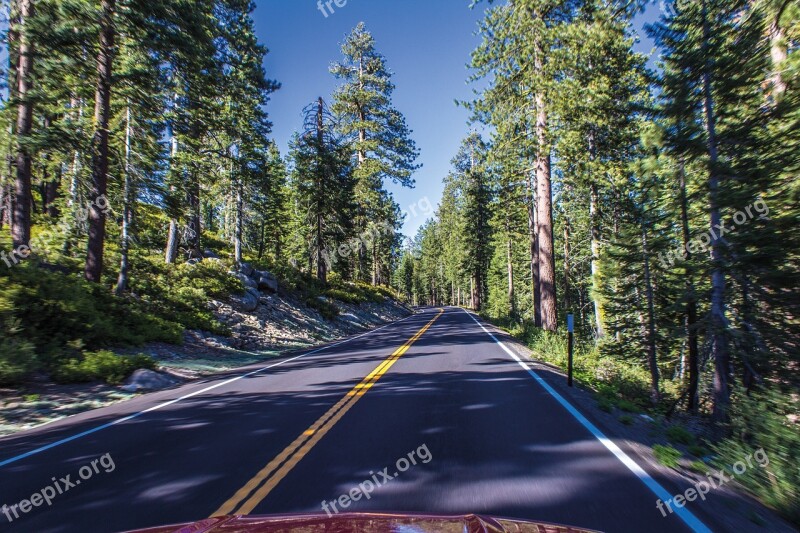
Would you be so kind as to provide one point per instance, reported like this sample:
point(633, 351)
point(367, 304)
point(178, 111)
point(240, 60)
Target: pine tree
point(322, 176)
point(380, 137)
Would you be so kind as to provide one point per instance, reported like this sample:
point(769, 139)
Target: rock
point(248, 302)
point(266, 281)
point(247, 270)
point(149, 380)
point(246, 280)
point(209, 254)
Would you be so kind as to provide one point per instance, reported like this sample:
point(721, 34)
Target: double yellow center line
point(258, 488)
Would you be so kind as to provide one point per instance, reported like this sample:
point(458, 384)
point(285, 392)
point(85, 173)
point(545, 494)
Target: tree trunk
point(21, 222)
point(718, 326)
point(534, 249)
point(171, 253)
point(594, 216)
point(322, 271)
point(195, 226)
point(779, 54)
point(2, 202)
point(102, 112)
point(652, 355)
point(544, 216)
point(239, 229)
point(691, 300)
point(512, 305)
point(567, 266)
point(127, 212)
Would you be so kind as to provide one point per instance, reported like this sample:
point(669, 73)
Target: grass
point(679, 435)
point(667, 455)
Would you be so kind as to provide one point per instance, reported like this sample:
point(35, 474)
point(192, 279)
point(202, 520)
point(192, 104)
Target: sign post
point(571, 329)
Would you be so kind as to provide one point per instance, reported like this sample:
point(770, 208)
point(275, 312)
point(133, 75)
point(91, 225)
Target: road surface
point(430, 414)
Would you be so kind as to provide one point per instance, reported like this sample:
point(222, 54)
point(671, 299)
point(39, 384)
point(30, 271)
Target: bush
point(344, 296)
point(667, 455)
point(17, 360)
point(102, 365)
point(328, 310)
point(762, 421)
point(679, 435)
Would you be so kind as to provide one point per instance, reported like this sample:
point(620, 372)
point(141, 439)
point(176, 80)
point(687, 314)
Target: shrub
point(762, 421)
point(697, 450)
point(344, 296)
point(666, 455)
point(17, 360)
point(679, 435)
point(328, 310)
point(102, 365)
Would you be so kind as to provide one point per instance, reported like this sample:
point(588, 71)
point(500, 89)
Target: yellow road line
point(268, 477)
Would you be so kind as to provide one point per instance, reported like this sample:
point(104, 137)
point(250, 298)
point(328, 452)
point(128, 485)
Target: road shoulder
point(725, 509)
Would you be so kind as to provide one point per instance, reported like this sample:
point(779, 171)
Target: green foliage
point(766, 421)
point(326, 308)
point(679, 435)
point(102, 365)
point(667, 455)
point(180, 294)
point(620, 383)
point(626, 419)
point(17, 360)
point(698, 450)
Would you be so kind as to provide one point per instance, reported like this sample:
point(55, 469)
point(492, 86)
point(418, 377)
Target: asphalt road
point(487, 437)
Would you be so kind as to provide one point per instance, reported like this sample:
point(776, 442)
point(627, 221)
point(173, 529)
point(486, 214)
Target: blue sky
point(427, 44)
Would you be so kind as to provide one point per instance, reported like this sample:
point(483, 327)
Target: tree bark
point(512, 305)
point(544, 215)
point(534, 249)
point(21, 221)
point(691, 300)
point(171, 252)
point(127, 212)
point(567, 266)
point(239, 230)
point(594, 216)
point(102, 112)
point(652, 355)
point(778, 54)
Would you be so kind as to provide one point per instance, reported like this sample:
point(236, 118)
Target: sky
point(427, 45)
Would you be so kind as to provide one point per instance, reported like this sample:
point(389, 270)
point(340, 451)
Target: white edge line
point(688, 518)
point(187, 396)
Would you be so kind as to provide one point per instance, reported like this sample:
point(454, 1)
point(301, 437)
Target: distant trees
point(668, 235)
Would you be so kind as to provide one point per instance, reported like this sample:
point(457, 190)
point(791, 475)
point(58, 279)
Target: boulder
point(149, 380)
point(266, 281)
point(246, 280)
point(247, 302)
point(247, 270)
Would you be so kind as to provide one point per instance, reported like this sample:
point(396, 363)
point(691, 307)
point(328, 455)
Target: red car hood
point(363, 523)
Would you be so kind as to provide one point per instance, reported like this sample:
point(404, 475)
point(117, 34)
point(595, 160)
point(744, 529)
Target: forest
point(657, 202)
